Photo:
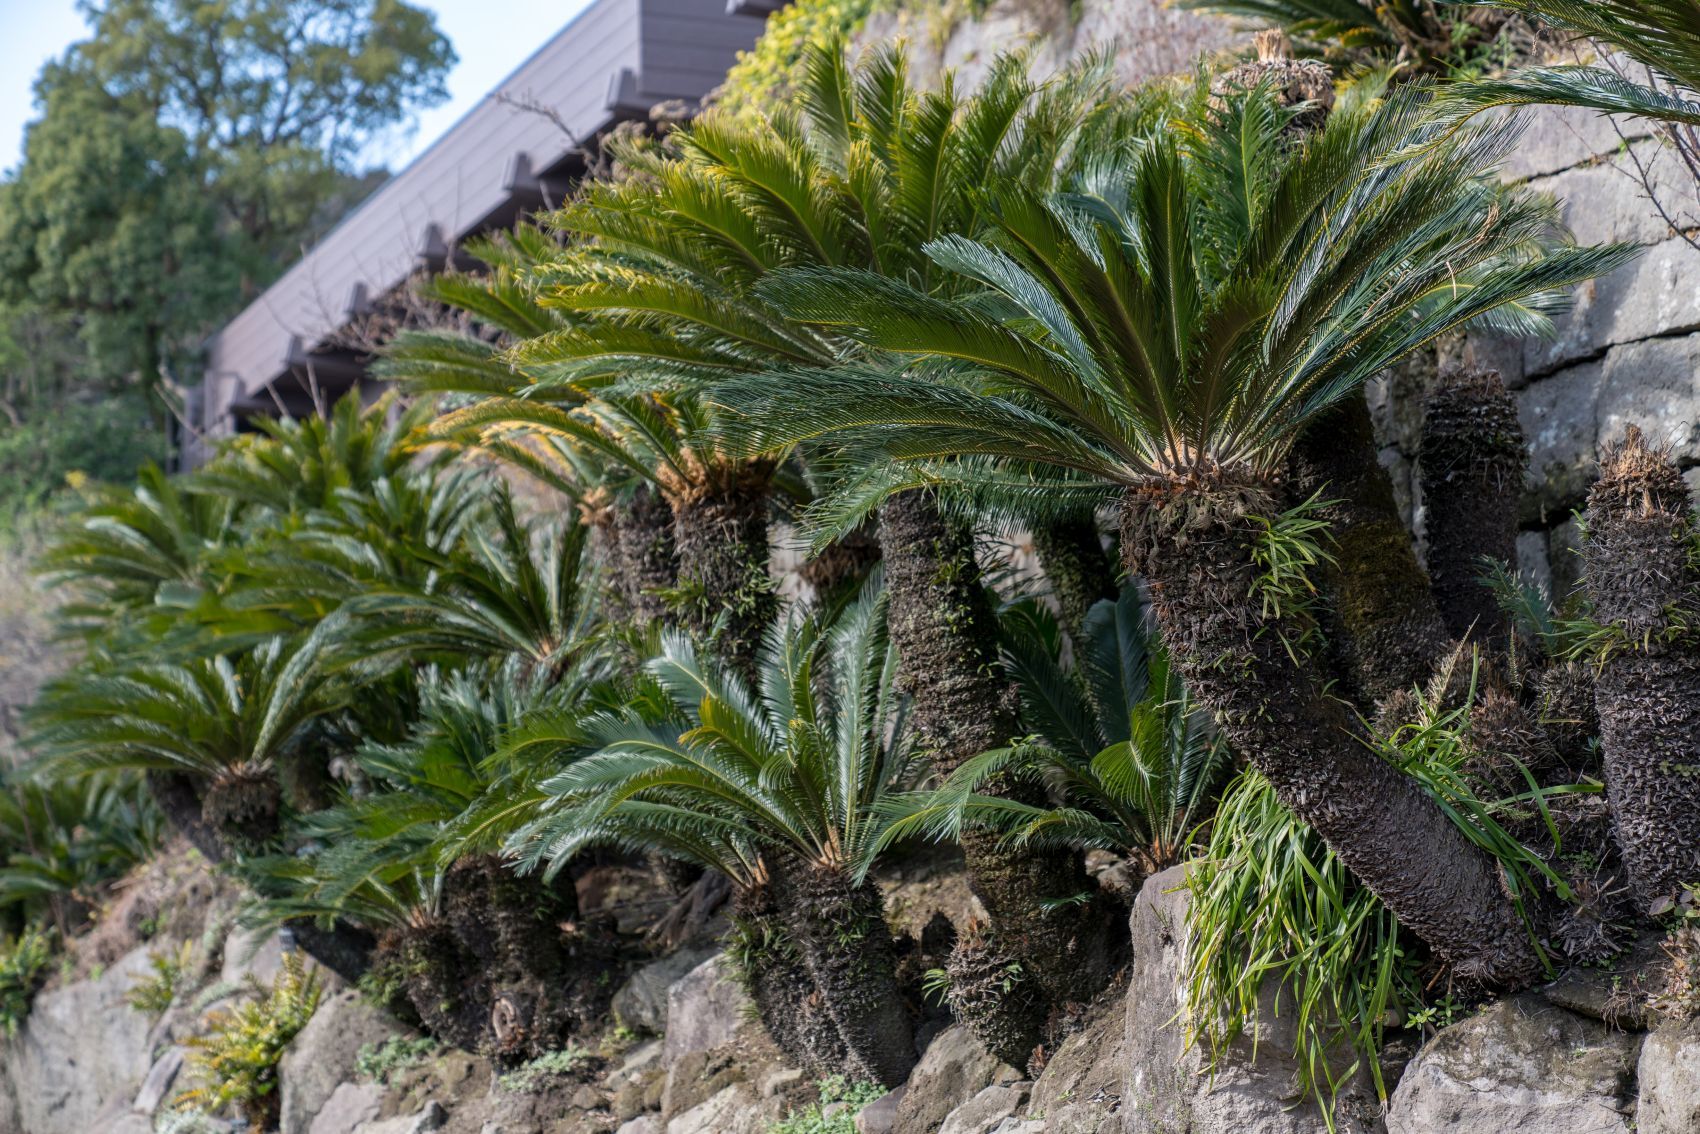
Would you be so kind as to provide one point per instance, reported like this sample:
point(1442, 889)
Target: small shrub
point(23, 966)
point(152, 995)
point(237, 1059)
point(834, 1090)
point(532, 1076)
point(380, 1061)
point(765, 77)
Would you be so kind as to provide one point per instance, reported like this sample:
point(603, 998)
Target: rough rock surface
point(704, 1009)
point(986, 1111)
point(1524, 1065)
point(1080, 1089)
point(350, 1107)
point(1668, 1077)
point(324, 1055)
point(1168, 1087)
point(82, 1050)
point(641, 1003)
point(953, 1069)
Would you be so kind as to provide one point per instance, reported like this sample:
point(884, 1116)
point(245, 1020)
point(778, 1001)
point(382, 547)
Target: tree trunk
point(780, 986)
point(641, 554)
point(989, 993)
point(720, 538)
point(180, 800)
point(1194, 546)
point(1384, 632)
point(1644, 587)
point(1079, 571)
point(1471, 462)
point(946, 634)
point(841, 935)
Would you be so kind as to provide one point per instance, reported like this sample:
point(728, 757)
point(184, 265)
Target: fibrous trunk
point(1047, 910)
point(1194, 544)
point(990, 994)
point(1644, 591)
point(720, 538)
point(839, 928)
point(1383, 630)
point(1074, 561)
point(640, 538)
point(779, 984)
point(1471, 463)
point(243, 805)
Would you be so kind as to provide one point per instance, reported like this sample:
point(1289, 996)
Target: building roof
point(613, 62)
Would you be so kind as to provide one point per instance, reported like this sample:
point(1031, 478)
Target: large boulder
point(1169, 1084)
point(1080, 1089)
point(735, 1110)
point(1668, 1075)
point(704, 1008)
point(641, 1003)
point(986, 1111)
point(323, 1055)
point(953, 1069)
point(1521, 1065)
point(82, 1051)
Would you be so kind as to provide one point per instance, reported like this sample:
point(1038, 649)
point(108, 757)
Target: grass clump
point(236, 1060)
point(535, 1074)
point(379, 1062)
point(840, 1102)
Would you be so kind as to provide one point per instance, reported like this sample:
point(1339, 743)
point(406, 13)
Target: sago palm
point(217, 726)
point(1172, 327)
point(1662, 36)
point(469, 363)
point(864, 172)
point(775, 783)
point(1119, 744)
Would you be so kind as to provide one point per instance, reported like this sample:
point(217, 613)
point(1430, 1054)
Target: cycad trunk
point(1194, 544)
point(842, 938)
point(1471, 462)
point(1384, 631)
point(1046, 910)
point(720, 540)
point(1644, 587)
point(640, 537)
point(1075, 563)
point(786, 998)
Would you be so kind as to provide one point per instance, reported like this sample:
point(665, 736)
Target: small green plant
point(381, 1061)
point(529, 1077)
point(24, 963)
point(236, 1060)
point(765, 77)
point(840, 1102)
point(152, 995)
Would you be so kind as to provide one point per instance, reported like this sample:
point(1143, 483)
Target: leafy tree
point(1178, 322)
point(183, 153)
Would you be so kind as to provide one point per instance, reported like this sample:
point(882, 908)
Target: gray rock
point(433, 1117)
point(1024, 1126)
point(251, 953)
point(1168, 1087)
point(1521, 1065)
point(704, 1008)
point(349, 1107)
point(1669, 1078)
point(1600, 203)
point(641, 1003)
point(1651, 296)
point(324, 1055)
point(160, 1076)
point(952, 1070)
point(985, 1111)
point(82, 1050)
point(880, 1116)
point(1080, 1090)
point(648, 1124)
point(735, 1110)
point(1555, 138)
point(778, 1080)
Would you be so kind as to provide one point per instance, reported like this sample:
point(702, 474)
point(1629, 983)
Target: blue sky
point(492, 37)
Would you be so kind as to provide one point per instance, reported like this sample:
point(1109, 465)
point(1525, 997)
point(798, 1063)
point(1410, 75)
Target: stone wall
point(1626, 353)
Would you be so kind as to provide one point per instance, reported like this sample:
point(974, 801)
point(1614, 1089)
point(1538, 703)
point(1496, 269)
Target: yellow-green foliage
point(152, 995)
point(236, 1060)
point(765, 76)
point(23, 966)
